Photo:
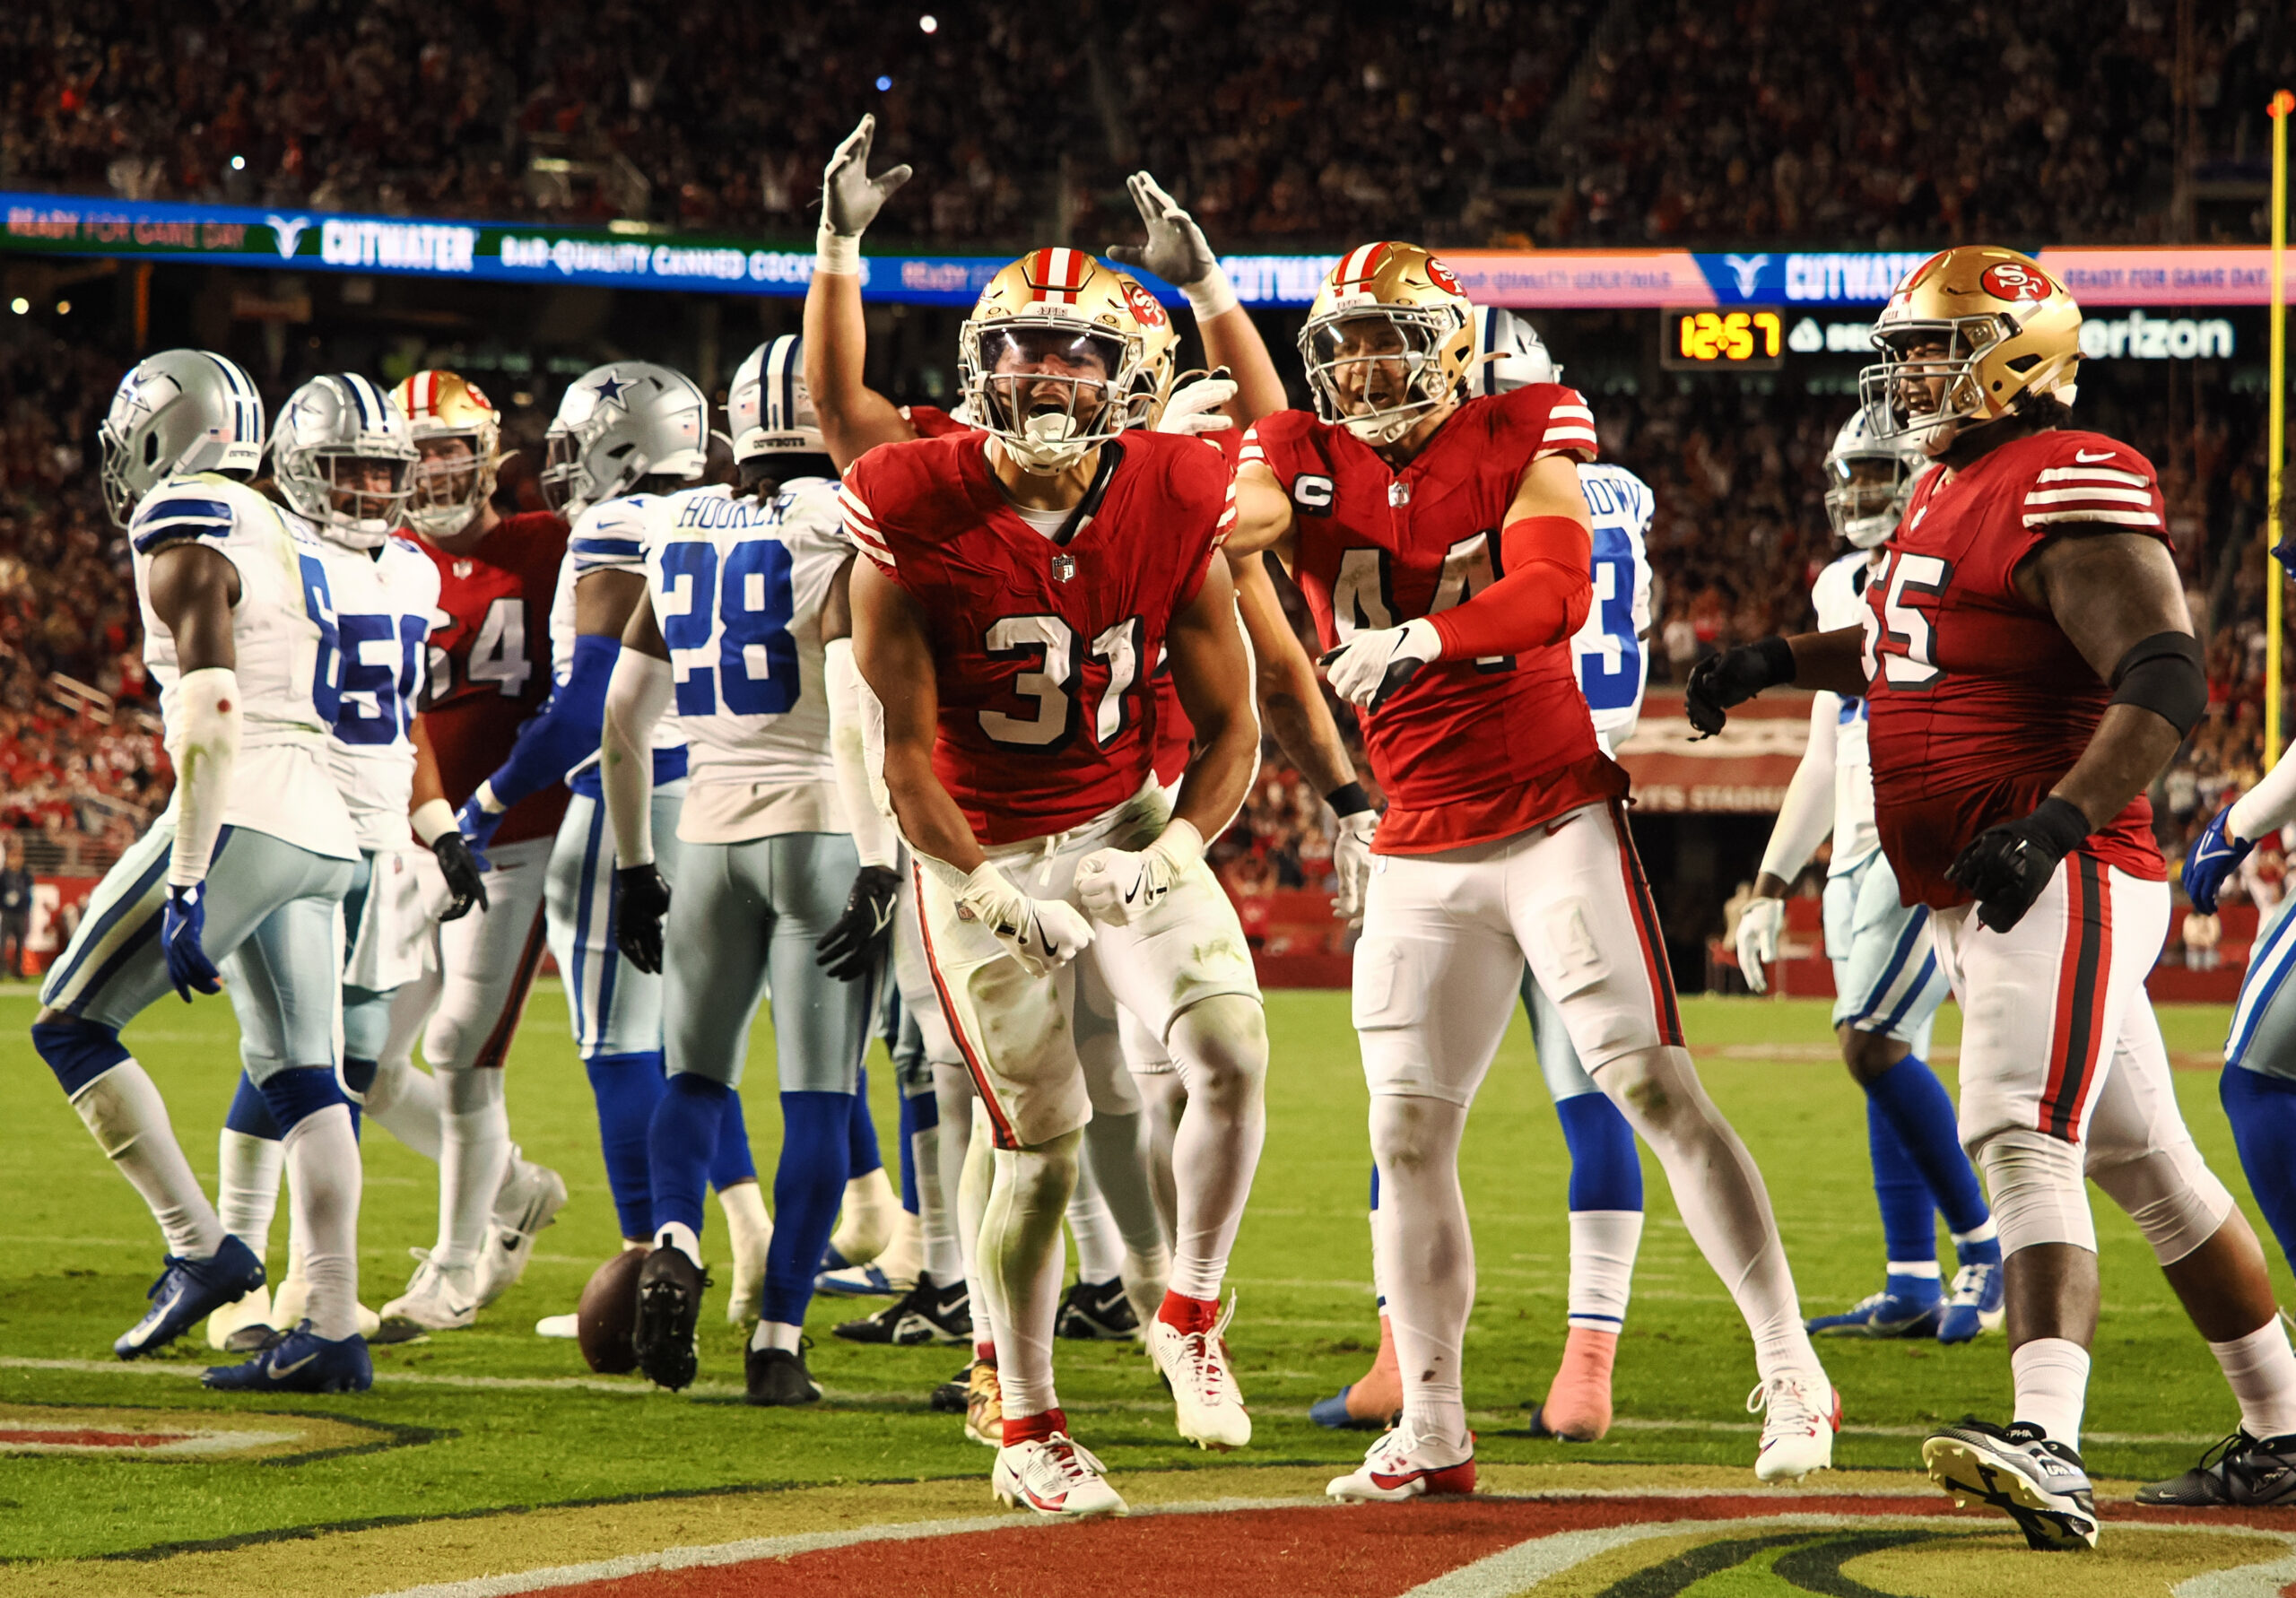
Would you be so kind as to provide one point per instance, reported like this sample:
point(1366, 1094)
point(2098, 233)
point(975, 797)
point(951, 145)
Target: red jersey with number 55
point(1468, 751)
point(1044, 647)
point(1977, 701)
point(489, 660)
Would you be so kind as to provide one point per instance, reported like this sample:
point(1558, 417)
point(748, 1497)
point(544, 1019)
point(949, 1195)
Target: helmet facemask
point(1051, 391)
point(1926, 387)
point(1378, 371)
point(449, 483)
point(356, 497)
point(1867, 495)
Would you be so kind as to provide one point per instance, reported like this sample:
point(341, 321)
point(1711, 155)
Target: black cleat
point(669, 1305)
point(950, 1396)
point(2041, 1485)
point(778, 1377)
point(1098, 1312)
point(925, 1314)
point(2241, 1472)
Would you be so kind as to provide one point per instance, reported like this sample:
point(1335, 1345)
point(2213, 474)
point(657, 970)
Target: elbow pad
point(2166, 674)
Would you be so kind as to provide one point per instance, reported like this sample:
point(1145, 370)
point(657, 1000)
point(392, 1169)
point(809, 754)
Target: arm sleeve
point(1543, 599)
point(1807, 815)
point(2267, 807)
point(565, 732)
point(205, 746)
point(637, 694)
point(873, 833)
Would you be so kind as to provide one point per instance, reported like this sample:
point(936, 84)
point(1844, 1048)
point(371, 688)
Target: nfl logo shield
point(1064, 566)
point(1398, 493)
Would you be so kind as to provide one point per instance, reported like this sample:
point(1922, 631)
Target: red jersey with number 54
point(1044, 647)
point(1977, 701)
point(489, 660)
point(1469, 750)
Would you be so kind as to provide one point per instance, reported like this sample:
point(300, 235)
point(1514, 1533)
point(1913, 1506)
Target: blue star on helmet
point(609, 388)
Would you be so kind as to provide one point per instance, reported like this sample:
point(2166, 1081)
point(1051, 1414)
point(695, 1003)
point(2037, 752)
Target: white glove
point(1042, 934)
point(1176, 250)
point(1351, 861)
point(850, 197)
point(1121, 885)
point(1375, 662)
point(1758, 928)
point(1195, 408)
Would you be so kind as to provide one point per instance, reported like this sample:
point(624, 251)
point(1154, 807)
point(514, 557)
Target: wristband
point(1348, 799)
point(1777, 658)
point(837, 253)
point(2061, 822)
point(487, 801)
point(433, 820)
point(1211, 295)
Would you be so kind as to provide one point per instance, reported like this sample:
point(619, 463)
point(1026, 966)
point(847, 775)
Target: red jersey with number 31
point(1043, 647)
point(1977, 701)
point(489, 660)
point(1468, 751)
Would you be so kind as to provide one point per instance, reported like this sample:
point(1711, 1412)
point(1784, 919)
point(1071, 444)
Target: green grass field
point(525, 1424)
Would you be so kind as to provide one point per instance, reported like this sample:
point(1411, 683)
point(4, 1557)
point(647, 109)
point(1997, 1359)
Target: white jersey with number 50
point(738, 585)
point(375, 621)
point(280, 784)
point(1614, 665)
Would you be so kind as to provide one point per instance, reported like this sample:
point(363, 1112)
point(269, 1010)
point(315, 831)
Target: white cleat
point(289, 1304)
point(244, 1324)
point(1797, 1435)
point(1399, 1467)
point(1054, 1476)
point(1209, 1405)
point(568, 1326)
point(529, 1199)
point(440, 1299)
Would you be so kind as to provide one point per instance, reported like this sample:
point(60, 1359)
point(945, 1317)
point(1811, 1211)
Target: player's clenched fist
point(1042, 934)
point(1375, 662)
point(1121, 885)
point(1732, 678)
point(2005, 868)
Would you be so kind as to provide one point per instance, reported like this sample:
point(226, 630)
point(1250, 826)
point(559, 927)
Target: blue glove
point(181, 922)
point(2214, 856)
point(477, 824)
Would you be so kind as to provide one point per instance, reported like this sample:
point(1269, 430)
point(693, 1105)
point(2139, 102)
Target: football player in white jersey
point(627, 434)
point(1887, 981)
point(1606, 1195)
point(748, 631)
point(253, 855)
point(372, 593)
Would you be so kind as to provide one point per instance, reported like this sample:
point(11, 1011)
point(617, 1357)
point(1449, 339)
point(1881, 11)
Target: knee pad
point(2170, 1193)
point(2039, 1192)
point(1220, 1042)
point(1658, 1086)
point(78, 1051)
point(1410, 1133)
point(461, 1092)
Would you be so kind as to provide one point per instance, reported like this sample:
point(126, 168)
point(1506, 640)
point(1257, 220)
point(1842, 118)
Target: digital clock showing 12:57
point(1750, 338)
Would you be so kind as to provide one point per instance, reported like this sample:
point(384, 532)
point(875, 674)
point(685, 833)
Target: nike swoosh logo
point(2085, 458)
point(161, 1311)
point(884, 919)
point(281, 1372)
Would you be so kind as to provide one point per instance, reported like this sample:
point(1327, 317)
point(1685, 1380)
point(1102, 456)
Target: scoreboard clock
point(1748, 339)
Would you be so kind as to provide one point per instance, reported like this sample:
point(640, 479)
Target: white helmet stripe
point(780, 384)
point(1358, 262)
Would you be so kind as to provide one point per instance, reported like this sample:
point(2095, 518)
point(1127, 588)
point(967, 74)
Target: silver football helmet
point(178, 410)
point(344, 458)
point(617, 424)
point(1868, 481)
point(1509, 353)
point(768, 405)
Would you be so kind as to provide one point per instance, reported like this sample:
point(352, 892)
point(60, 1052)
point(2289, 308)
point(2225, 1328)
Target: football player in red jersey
point(1444, 546)
point(2031, 667)
point(489, 672)
point(1021, 584)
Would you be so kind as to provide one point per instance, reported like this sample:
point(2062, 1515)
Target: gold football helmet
point(1389, 338)
point(1968, 333)
point(1051, 357)
point(459, 432)
point(1160, 346)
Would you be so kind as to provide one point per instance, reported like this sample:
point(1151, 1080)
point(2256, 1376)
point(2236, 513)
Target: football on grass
point(608, 1313)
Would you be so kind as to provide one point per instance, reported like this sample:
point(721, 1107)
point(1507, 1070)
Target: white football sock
point(777, 1334)
point(978, 1181)
point(1221, 1045)
point(246, 1187)
point(936, 1187)
point(2262, 1373)
point(1426, 1256)
point(475, 1150)
point(123, 1112)
point(1721, 1197)
point(404, 1102)
point(864, 1224)
point(1116, 1157)
point(748, 1228)
point(2051, 1374)
point(1603, 1247)
point(1019, 1246)
point(677, 1235)
point(323, 1183)
point(903, 1253)
point(1100, 1248)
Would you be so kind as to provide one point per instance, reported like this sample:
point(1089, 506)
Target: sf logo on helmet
point(1144, 305)
point(1441, 276)
point(2013, 280)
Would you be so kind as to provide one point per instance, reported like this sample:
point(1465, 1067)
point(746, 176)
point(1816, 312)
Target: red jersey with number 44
point(1043, 647)
point(489, 660)
point(1469, 750)
point(1978, 702)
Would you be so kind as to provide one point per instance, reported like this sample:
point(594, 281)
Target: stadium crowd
point(1301, 123)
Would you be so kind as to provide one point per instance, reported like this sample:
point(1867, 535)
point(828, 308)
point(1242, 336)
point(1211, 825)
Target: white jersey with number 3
point(280, 784)
point(738, 585)
point(373, 632)
point(1614, 665)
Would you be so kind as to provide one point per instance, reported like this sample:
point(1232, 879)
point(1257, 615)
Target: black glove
point(2006, 867)
point(641, 899)
point(466, 881)
point(851, 949)
point(1732, 678)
